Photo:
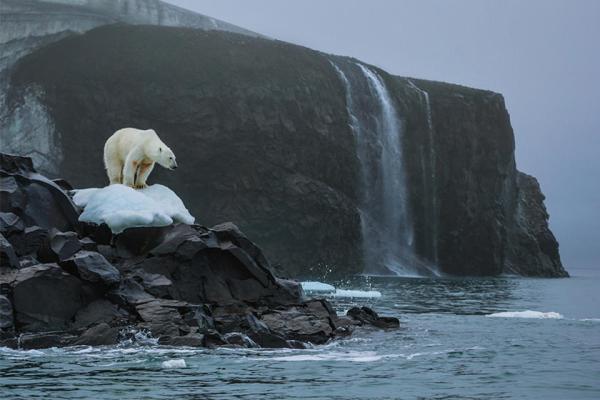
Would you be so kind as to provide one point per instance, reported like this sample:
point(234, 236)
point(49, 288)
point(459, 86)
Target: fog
point(542, 55)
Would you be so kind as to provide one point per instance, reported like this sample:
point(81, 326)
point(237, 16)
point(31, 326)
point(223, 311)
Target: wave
point(527, 314)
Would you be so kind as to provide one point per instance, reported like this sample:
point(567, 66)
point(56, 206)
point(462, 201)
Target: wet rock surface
point(184, 285)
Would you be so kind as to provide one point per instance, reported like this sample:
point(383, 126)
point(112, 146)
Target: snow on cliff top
point(121, 207)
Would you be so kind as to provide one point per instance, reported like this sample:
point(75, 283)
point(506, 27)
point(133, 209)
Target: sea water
point(494, 338)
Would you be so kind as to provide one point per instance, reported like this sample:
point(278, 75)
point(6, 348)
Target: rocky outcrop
point(184, 285)
point(263, 135)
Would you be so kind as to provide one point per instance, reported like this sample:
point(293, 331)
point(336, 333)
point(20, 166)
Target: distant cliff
point(298, 148)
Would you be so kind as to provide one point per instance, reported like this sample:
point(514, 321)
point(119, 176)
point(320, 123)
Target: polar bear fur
point(130, 155)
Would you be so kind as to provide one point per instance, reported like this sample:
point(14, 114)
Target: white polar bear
point(130, 154)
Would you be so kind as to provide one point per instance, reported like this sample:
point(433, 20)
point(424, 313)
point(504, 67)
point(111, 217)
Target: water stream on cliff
point(386, 225)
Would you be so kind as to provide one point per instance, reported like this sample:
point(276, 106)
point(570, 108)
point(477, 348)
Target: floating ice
point(330, 291)
point(312, 286)
point(175, 363)
point(121, 207)
point(526, 314)
point(363, 294)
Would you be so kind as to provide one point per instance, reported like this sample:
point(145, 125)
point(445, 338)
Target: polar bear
point(130, 154)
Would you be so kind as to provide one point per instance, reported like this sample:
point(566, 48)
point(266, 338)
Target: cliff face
point(268, 135)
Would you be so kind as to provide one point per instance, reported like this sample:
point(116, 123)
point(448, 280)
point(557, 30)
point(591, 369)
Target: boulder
point(101, 334)
point(100, 311)
point(92, 267)
point(46, 298)
point(10, 223)
point(30, 241)
point(163, 317)
point(6, 314)
point(156, 284)
point(367, 316)
point(189, 340)
point(61, 245)
point(35, 199)
point(8, 257)
point(129, 294)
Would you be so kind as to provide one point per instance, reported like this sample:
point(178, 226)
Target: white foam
point(175, 363)
point(526, 314)
point(313, 286)
point(122, 207)
point(353, 356)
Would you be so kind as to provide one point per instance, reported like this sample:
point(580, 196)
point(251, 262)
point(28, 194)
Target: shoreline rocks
point(66, 283)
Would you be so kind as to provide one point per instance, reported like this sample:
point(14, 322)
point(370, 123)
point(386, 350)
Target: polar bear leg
point(131, 165)
point(114, 170)
point(142, 174)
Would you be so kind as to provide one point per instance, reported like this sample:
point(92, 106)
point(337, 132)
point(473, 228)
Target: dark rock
point(101, 234)
point(45, 340)
point(64, 185)
point(138, 241)
point(129, 294)
point(239, 340)
point(88, 244)
point(296, 344)
point(367, 316)
point(214, 339)
point(35, 199)
point(10, 223)
point(297, 324)
point(28, 261)
point(92, 267)
point(32, 239)
point(162, 317)
point(98, 335)
point(156, 284)
point(100, 311)
point(533, 249)
point(61, 245)
point(6, 314)
point(46, 298)
point(190, 340)
point(200, 318)
point(8, 258)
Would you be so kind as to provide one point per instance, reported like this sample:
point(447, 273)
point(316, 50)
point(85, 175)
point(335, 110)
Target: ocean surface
point(501, 338)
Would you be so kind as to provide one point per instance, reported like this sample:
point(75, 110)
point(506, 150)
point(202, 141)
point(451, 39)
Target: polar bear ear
point(160, 149)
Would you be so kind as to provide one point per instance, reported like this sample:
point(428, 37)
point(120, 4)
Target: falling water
point(434, 216)
point(385, 219)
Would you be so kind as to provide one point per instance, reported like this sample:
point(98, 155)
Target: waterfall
point(386, 225)
point(431, 182)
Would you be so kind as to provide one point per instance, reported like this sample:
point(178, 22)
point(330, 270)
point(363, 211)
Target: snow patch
point(175, 363)
point(526, 314)
point(121, 207)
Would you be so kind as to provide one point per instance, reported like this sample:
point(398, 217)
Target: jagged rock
point(239, 340)
point(30, 240)
point(92, 267)
point(156, 284)
point(60, 246)
point(298, 324)
point(88, 244)
point(100, 311)
point(6, 314)
point(35, 199)
point(190, 340)
point(367, 316)
point(10, 223)
point(129, 293)
point(46, 298)
point(101, 334)
point(44, 340)
point(162, 317)
point(200, 318)
point(8, 258)
point(214, 339)
point(101, 234)
point(28, 261)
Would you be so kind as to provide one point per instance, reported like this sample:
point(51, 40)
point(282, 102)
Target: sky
point(542, 55)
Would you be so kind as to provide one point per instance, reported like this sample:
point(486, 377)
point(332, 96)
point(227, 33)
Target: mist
point(542, 55)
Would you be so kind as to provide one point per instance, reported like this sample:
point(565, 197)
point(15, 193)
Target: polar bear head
point(160, 153)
